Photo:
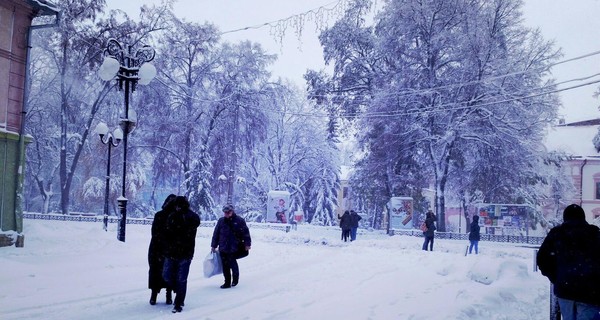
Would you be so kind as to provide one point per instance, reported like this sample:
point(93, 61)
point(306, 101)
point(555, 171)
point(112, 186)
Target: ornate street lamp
point(112, 140)
point(129, 67)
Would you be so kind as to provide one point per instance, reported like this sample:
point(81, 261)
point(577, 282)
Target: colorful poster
point(278, 206)
point(401, 212)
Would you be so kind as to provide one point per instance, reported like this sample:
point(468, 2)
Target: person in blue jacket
point(230, 234)
point(474, 235)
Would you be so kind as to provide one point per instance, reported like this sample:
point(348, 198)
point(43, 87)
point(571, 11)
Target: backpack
point(423, 227)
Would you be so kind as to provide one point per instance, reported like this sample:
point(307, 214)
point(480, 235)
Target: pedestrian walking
point(346, 225)
point(157, 250)
point(231, 235)
point(429, 233)
point(355, 218)
point(570, 257)
point(182, 225)
point(474, 235)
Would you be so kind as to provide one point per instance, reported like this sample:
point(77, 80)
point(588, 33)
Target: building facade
point(16, 17)
point(583, 166)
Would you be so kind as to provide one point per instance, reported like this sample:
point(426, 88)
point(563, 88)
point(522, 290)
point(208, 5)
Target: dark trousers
point(428, 241)
point(230, 267)
point(345, 234)
point(175, 273)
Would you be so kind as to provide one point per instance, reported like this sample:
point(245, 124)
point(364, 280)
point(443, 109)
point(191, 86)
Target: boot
point(169, 297)
point(235, 281)
point(153, 297)
point(177, 309)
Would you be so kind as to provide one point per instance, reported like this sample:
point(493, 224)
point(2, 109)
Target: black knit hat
point(227, 208)
point(573, 212)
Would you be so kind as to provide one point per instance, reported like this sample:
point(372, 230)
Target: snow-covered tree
point(457, 83)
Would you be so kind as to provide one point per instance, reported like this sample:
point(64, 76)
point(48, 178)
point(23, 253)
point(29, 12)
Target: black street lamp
point(129, 66)
point(112, 140)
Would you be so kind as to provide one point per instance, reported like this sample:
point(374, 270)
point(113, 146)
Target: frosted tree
point(451, 77)
point(73, 95)
point(297, 155)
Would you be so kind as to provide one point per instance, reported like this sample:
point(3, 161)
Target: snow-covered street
point(75, 270)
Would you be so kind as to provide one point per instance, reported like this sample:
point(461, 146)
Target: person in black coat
point(156, 252)
point(429, 234)
point(570, 257)
point(230, 233)
point(346, 225)
point(182, 224)
point(474, 235)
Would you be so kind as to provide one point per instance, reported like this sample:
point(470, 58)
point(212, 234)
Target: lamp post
point(129, 67)
point(112, 140)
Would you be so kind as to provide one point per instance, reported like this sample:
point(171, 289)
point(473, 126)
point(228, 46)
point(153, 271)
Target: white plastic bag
point(212, 264)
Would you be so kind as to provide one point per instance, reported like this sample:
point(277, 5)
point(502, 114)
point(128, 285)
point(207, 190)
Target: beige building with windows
point(576, 139)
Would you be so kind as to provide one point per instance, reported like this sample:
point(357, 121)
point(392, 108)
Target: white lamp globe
point(109, 68)
point(146, 73)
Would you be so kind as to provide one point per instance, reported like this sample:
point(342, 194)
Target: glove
point(213, 250)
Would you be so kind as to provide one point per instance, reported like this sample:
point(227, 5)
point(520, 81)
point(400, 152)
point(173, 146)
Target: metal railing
point(465, 236)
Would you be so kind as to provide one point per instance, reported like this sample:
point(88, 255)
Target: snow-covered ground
point(75, 270)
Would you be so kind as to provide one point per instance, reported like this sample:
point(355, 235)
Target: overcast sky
point(573, 25)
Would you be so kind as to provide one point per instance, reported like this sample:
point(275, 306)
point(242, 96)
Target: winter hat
point(169, 200)
point(227, 208)
point(181, 202)
point(476, 218)
point(573, 212)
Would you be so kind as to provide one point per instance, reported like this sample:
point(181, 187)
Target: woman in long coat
point(346, 225)
point(156, 252)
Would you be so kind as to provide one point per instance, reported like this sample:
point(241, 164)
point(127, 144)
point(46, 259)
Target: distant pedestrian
point(474, 235)
point(182, 225)
point(429, 234)
point(157, 250)
point(231, 232)
point(570, 257)
point(346, 225)
point(355, 218)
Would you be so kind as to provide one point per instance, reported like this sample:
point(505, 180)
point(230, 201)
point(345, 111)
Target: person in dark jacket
point(355, 218)
point(429, 234)
point(156, 252)
point(346, 225)
point(474, 235)
point(230, 233)
point(182, 224)
point(570, 257)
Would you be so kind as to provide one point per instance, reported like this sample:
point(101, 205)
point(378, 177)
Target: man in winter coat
point(230, 235)
point(570, 258)
point(474, 235)
point(157, 249)
point(182, 224)
point(355, 218)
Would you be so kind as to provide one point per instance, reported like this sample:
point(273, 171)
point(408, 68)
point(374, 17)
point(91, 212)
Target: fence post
point(535, 267)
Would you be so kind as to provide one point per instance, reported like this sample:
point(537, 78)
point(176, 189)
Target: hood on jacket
point(573, 212)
